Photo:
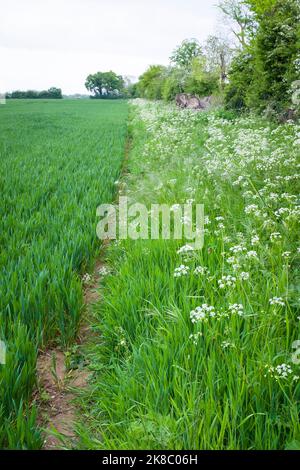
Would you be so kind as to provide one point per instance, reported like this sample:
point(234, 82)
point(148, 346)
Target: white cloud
point(47, 43)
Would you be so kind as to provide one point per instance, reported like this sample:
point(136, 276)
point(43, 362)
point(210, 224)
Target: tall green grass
point(58, 161)
point(226, 381)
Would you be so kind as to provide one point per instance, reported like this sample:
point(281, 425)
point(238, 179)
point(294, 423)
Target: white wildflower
point(202, 313)
point(236, 309)
point(277, 301)
point(244, 276)
point(181, 271)
point(104, 271)
point(227, 281)
point(254, 240)
point(185, 249)
point(251, 254)
point(227, 344)
point(201, 270)
point(275, 236)
point(282, 371)
point(86, 278)
point(195, 337)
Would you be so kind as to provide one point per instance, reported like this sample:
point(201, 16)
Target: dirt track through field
point(58, 386)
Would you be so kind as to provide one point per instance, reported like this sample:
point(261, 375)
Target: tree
point(104, 83)
point(260, 6)
point(174, 83)
point(184, 54)
point(218, 53)
point(151, 82)
point(275, 50)
point(130, 87)
point(262, 75)
point(241, 74)
point(241, 16)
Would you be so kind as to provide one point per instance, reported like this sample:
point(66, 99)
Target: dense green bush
point(262, 74)
point(207, 86)
point(173, 83)
point(241, 75)
point(151, 82)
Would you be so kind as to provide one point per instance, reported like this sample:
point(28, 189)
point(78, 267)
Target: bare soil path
point(59, 383)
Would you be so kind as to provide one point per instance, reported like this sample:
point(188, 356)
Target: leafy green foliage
point(151, 82)
point(275, 51)
point(262, 75)
point(173, 83)
point(200, 81)
point(241, 76)
point(184, 54)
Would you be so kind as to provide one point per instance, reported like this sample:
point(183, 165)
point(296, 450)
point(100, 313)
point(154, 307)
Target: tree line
point(259, 69)
point(51, 93)
point(255, 66)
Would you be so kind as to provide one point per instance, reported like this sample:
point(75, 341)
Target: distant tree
point(130, 87)
point(52, 93)
point(218, 55)
point(104, 83)
point(55, 93)
point(32, 94)
point(184, 54)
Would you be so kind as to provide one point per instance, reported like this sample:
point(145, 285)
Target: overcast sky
point(47, 43)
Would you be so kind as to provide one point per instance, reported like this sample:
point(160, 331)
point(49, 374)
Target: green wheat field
point(59, 161)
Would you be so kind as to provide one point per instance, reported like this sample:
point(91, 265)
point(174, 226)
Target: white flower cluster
point(275, 236)
point(254, 240)
point(202, 313)
point(185, 249)
point(227, 344)
point(282, 371)
point(251, 254)
point(201, 270)
point(227, 281)
point(182, 270)
point(238, 249)
point(236, 309)
point(104, 271)
point(244, 276)
point(195, 337)
point(277, 301)
point(86, 278)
